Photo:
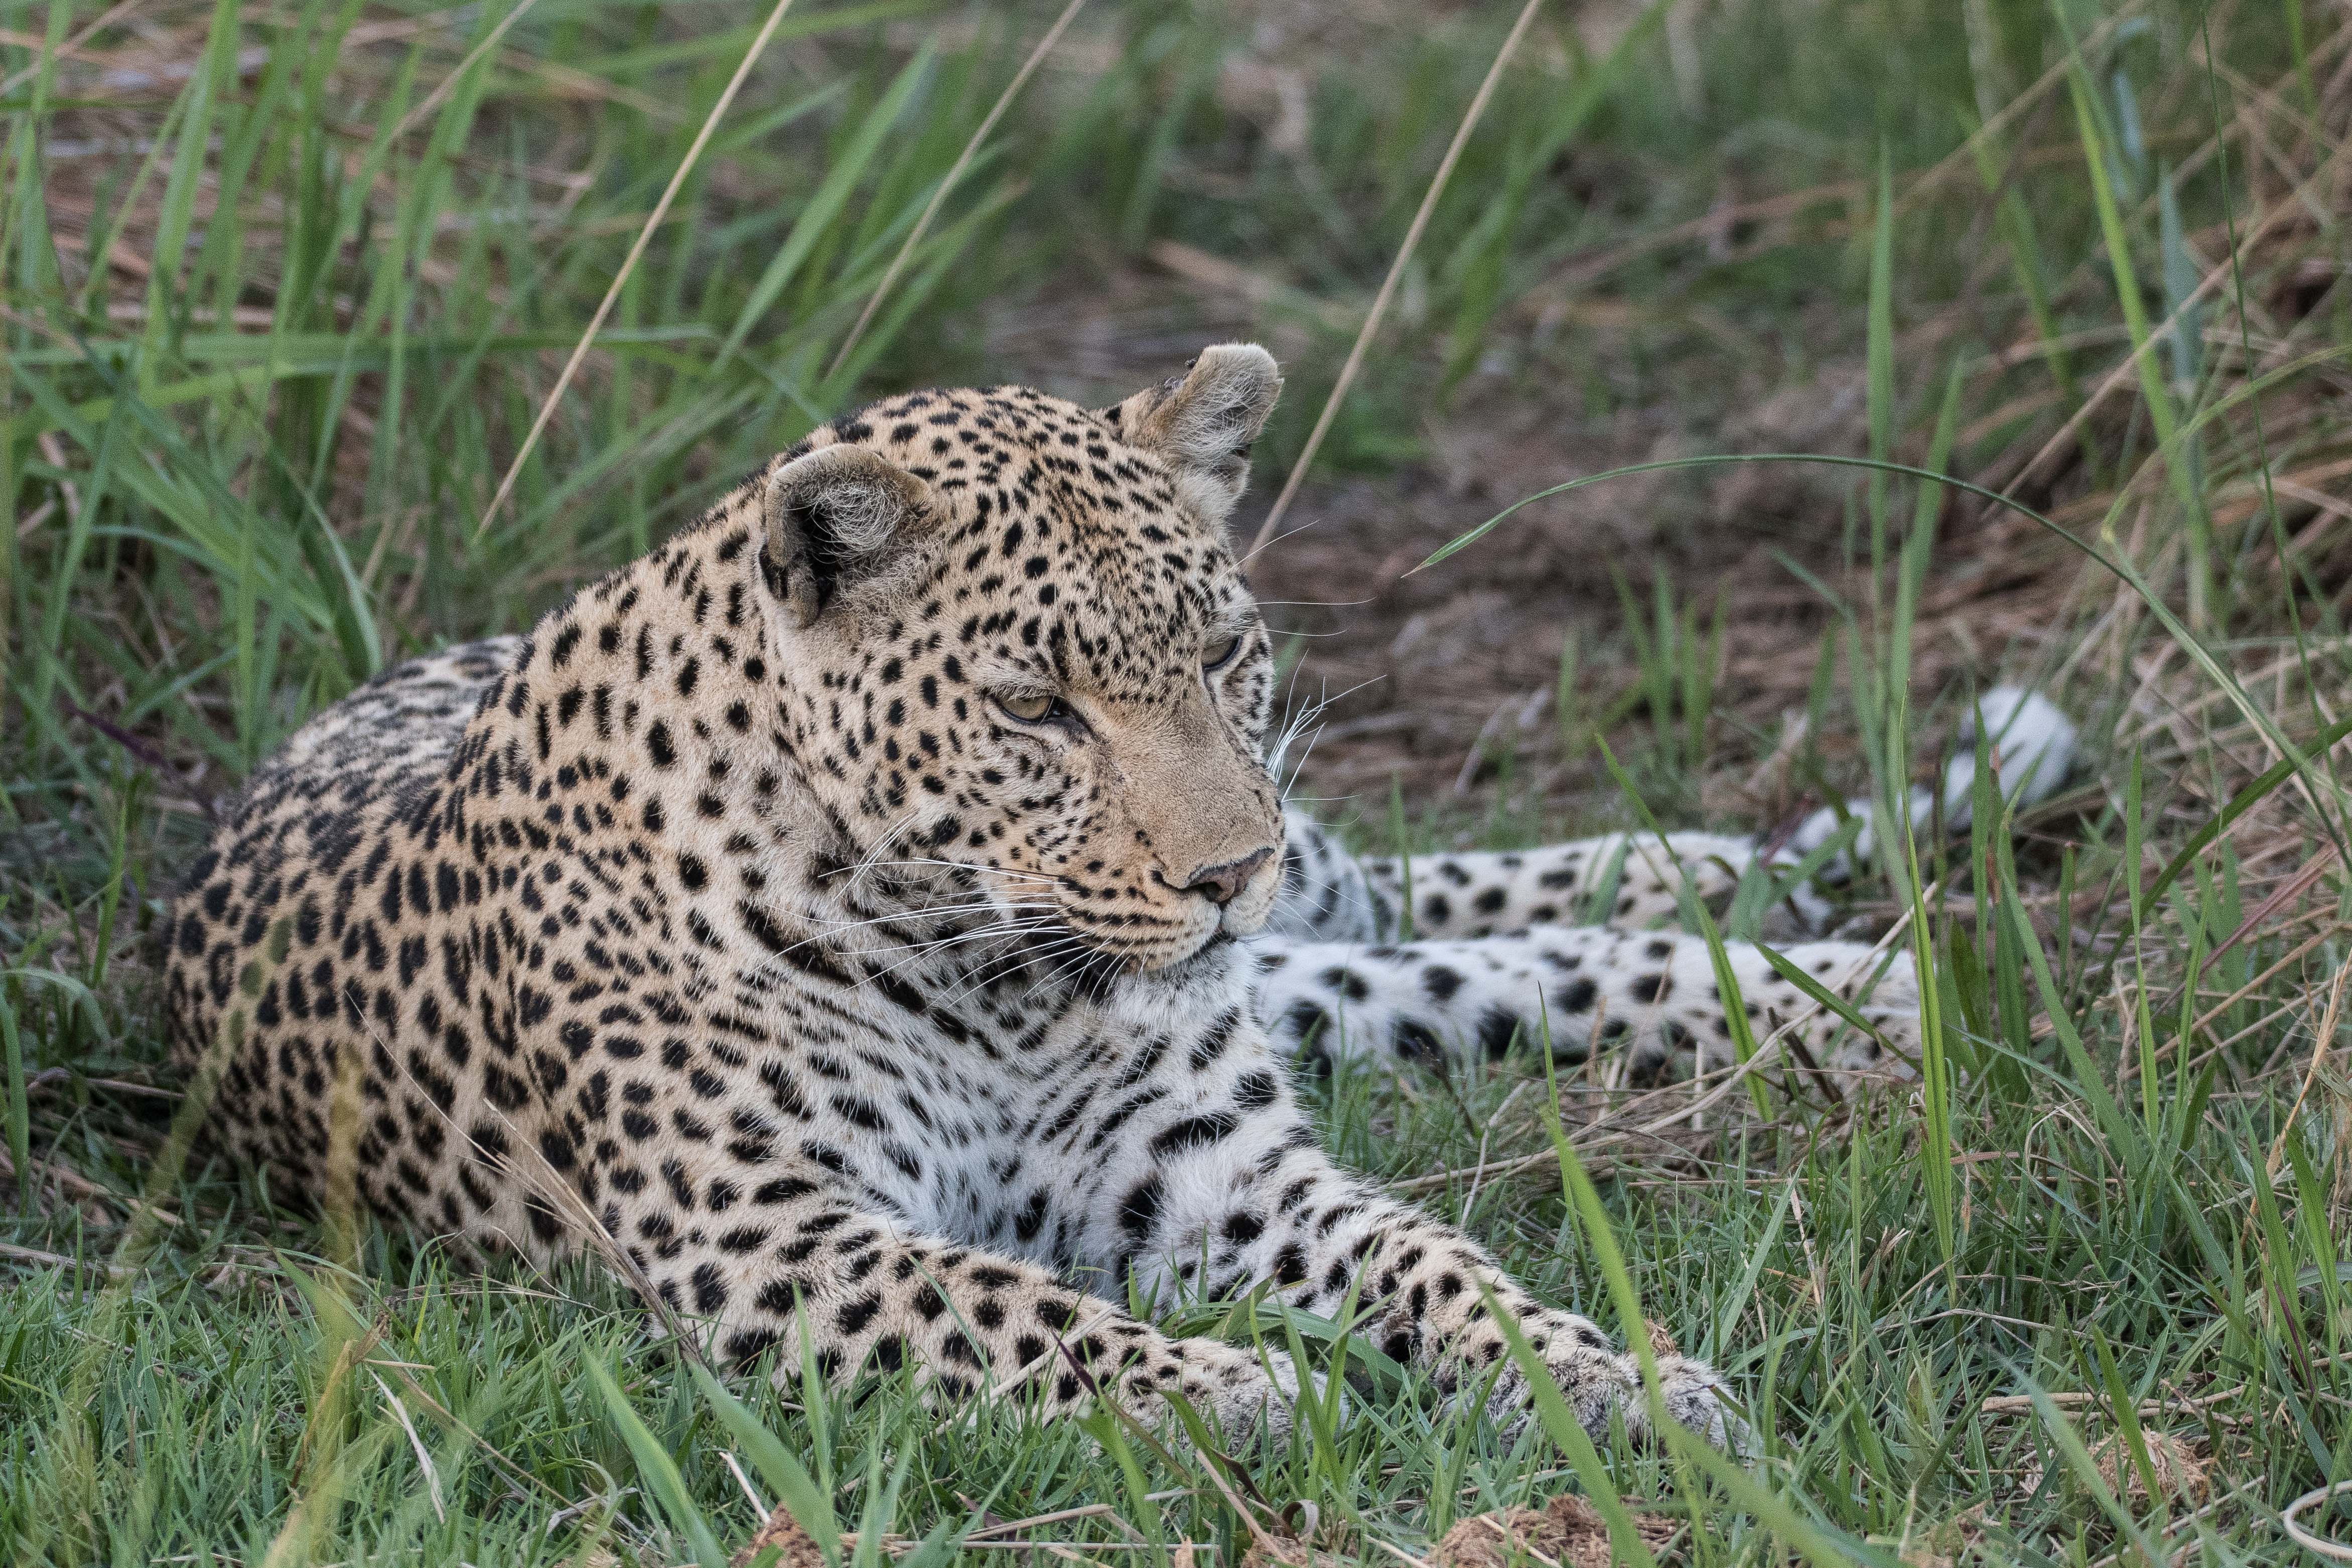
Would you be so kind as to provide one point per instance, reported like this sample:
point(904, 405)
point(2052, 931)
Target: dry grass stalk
point(948, 182)
point(1389, 284)
point(629, 264)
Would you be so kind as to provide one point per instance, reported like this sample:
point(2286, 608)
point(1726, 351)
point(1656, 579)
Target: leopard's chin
point(1211, 956)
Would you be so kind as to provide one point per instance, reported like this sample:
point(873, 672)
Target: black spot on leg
point(1256, 1090)
point(1303, 1020)
point(1496, 1030)
point(1347, 982)
point(709, 1294)
point(1139, 1209)
point(1193, 1132)
point(1416, 1041)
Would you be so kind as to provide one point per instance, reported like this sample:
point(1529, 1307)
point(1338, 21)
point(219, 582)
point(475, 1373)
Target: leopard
point(853, 921)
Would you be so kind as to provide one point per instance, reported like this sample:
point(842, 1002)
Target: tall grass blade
point(948, 182)
point(811, 1508)
point(2014, 222)
point(848, 166)
point(663, 1481)
point(1821, 1543)
point(2086, 1474)
point(1879, 352)
point(1938, 1158)
point(1727, 980)
point(1559, 1424)
point(13, 1064)
point(2088, 1078)
point(1389, 285)
point(2160, 411)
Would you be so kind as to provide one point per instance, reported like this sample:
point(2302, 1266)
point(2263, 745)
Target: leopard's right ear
point(834, 519)
point(1202, 422)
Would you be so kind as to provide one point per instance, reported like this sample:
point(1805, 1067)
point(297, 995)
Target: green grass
point(250, 455)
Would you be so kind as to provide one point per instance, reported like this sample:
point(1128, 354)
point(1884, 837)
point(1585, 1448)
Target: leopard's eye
point(1029, 707)
point(1220, 652)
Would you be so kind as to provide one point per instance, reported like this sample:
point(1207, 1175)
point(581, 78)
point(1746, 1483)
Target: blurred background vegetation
point(285, 285)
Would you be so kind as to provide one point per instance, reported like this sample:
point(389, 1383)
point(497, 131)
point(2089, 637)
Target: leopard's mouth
point(1122, 954)
point(1069, 925)
point(1208, 956)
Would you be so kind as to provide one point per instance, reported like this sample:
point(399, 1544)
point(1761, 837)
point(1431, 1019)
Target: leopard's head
point(1016, 641)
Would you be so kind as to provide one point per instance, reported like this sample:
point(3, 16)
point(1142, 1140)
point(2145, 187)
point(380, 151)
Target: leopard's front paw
point(1598, 1381)
point(1698, 1397)
point(1228, 1385)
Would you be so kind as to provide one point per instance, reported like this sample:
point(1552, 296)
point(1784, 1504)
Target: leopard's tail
point(2027, 743)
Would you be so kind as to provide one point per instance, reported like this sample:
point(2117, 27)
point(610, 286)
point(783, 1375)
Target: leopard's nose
point(1223, 884)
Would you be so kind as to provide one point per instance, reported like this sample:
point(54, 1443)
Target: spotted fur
point(1448, 957)
point(841, 910)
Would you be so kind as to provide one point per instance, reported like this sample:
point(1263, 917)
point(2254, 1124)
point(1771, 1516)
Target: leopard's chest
point(677, 1025)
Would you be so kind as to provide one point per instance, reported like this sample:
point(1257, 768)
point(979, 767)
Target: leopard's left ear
point(836, 519)
point(1202, 424)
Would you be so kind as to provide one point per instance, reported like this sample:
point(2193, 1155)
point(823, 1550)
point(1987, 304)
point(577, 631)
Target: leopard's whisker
point(993, 933)
point(867, 862)
point(930, 911)
point(1286, 772)
point(1044, 877)
point(915, 953)
point(929, 950)
point(1043, 920)
point(780, 959)
point(1062, 939)
point(1074, 962)
point(918, 912)
point(1277, 763)
point(992, 969)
